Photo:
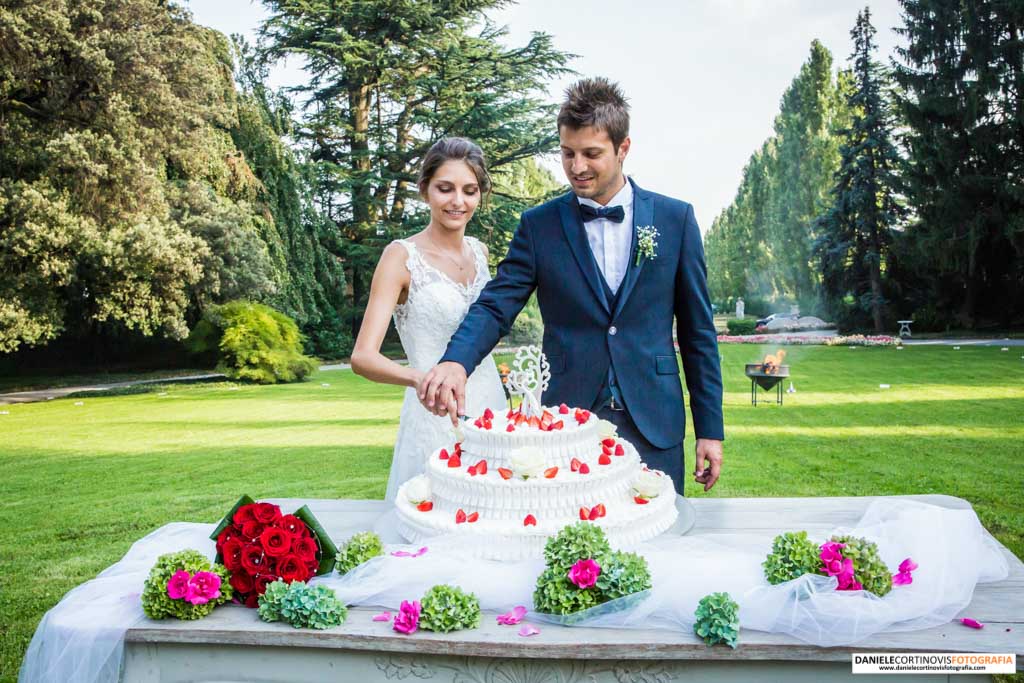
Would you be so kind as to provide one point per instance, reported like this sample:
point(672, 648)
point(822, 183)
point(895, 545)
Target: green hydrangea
point(360, 548)
point(270, 601)
point(555, 594)
point(580, 541)
point(717, 620)
point(868, 567)
point(447, 608)
point(792, 556)
point(302, 605)
point(157, 604)
point(623, 574)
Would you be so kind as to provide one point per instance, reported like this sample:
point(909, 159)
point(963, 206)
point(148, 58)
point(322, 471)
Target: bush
point(448, 608)
point(745, 326)
point(254, 342)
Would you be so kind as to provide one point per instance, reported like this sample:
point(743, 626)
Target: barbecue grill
point(766, 380)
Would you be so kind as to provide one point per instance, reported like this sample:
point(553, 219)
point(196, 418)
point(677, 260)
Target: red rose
point(244, 514)
point(252, 559)
point(276, 542)
point(230, 532)
point(251, 530)
point(292, 525)
point(267, 513)
point(292, 568)
point(263, 581)
point(252, 600)
point(269, 565)
point(231, 554)
point(241, 582)
point(305, 548)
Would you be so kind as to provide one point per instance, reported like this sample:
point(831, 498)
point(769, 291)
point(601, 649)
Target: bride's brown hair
point(454, 149)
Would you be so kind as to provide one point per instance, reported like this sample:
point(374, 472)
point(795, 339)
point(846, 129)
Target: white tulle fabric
point(953, 550)
point(426, 322)
point(81, 639)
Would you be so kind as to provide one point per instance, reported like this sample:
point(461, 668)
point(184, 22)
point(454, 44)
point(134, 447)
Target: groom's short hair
point(599, 103)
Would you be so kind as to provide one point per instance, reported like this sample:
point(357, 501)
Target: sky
point(704, 77)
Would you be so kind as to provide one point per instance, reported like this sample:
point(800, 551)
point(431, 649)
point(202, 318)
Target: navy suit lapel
point(643, 214)
point(576, 234)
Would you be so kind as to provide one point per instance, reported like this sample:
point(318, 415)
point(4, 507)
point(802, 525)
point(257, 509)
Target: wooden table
point(233, 645)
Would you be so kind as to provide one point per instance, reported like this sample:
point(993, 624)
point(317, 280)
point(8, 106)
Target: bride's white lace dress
point(435, 307)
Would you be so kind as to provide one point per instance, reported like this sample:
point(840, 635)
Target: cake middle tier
point(506, 497)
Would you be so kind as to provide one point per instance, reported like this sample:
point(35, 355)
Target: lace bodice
point(426, 322)
point(435, 306)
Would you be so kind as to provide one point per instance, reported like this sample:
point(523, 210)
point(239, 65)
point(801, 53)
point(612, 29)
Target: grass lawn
point(81, 483)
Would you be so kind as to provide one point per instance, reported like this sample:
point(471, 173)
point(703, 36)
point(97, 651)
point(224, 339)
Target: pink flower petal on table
point(406, 553)
point(907, 566)
point(528, 630)
point(902, 579)
point(512, 618)
point(972, 623)
point(383, 616)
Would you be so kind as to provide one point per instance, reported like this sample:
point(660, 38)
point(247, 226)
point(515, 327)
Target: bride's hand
point(442, 391)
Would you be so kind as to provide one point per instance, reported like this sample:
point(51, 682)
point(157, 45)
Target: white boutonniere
point(646, 242)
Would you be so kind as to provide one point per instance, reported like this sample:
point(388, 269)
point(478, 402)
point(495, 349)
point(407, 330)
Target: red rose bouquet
point(259, 545)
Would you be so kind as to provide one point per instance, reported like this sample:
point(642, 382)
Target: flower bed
point(849, 340)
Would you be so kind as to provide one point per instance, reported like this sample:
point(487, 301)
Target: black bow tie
point(616, 214)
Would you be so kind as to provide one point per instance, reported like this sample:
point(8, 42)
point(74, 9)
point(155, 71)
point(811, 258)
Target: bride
point(427, 283)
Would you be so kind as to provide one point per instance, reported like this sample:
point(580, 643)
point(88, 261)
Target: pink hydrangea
point(408, 618)
point(203, 587)
point(177, 585)
point(584, 573)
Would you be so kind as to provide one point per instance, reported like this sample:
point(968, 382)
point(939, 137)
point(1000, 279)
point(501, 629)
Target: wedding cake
point(514, 479)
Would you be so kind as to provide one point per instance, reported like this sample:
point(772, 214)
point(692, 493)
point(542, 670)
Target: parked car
point(774, 316)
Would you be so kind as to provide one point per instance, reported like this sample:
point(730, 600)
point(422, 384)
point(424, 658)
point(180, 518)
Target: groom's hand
point(709, 451)
point(442, 391)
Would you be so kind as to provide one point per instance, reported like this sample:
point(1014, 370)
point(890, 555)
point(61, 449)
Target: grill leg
point(753, 392)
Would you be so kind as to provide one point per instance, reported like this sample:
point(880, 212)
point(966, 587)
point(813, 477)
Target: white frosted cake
point(514, 481)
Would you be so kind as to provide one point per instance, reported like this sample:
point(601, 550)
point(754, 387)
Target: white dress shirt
point(609, 241)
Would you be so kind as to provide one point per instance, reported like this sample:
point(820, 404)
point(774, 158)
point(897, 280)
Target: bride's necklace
point(447, 255)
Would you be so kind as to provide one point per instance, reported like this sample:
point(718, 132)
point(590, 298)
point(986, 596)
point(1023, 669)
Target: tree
point(806, 156)
point(760, 246)
point(855, 234)
point(389, 78)
point(124, 203)
point(961, 94)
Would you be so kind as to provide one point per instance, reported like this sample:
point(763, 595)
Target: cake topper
point(529, 378)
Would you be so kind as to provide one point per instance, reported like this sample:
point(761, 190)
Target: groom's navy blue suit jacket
point(584, 333)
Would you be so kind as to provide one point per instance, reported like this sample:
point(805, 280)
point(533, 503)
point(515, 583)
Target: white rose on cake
point(607, 430)
point(528, 462)
point(418, 490)
point(649, 484)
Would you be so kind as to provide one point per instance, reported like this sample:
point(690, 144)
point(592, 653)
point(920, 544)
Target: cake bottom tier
point(625, 523)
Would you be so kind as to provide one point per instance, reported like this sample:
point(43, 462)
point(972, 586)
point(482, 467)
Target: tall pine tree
point(387, 79)
point(961, 94)
point(855, 234)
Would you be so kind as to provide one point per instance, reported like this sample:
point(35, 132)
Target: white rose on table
point(528, 462)
point(649, 484)
point(607, 430)
point(418, 490)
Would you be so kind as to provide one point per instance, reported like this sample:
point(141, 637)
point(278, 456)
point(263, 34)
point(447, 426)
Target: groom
point(612, 264)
